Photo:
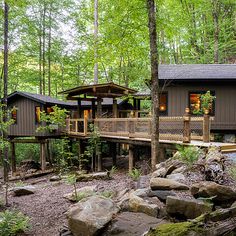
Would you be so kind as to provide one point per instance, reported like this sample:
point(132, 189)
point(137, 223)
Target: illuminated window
point(37, 114)
point(195, 103)
point(14, 114)
point(163, 103)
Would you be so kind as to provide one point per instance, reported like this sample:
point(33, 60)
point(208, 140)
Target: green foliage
point(55, 119)
point(27, 151)
point(19, 184)
point(107, 194)
point(71, 179)
point(189, 155)
point(12, 222)
point(113, 171)
point(207, 100)
point(135, 174)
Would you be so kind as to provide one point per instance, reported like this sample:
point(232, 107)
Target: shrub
point(135, 174)
point(107, 194)
point(189, 155)
point(12, 222)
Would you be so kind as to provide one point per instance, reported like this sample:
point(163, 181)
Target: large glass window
point(195, 103)
point(14, 114)
point(163, 103)
point(37, 114)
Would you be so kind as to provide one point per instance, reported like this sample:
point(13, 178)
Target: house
point(182, 85)
point(26, 109)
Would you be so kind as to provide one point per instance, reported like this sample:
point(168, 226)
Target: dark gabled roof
point(53, 101)
point(40, 98)
point(197, 71)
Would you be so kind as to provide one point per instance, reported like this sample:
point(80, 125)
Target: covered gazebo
point(96, 93)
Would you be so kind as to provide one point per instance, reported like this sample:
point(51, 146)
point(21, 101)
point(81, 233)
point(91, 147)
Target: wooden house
point(182, 85)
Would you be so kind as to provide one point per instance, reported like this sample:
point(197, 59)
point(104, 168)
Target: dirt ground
point(47, 207)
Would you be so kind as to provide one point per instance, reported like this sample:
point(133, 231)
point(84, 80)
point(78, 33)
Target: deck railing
point(180, 128)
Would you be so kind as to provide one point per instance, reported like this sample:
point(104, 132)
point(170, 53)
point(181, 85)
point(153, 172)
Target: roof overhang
point(106, 90)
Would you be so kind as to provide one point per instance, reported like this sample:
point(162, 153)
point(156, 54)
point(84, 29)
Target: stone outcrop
point(187, 208)
point(89, 216)
point(166, 184)
point(24, 190)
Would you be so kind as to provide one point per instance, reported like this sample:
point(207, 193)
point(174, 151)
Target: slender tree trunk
point(44, 48)
point(49, 49)
point(5, 84)
point(215, 15)
point(95, 41)
point(154, 82)
point(40, 59)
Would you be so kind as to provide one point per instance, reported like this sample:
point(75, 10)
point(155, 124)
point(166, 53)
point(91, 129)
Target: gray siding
point(26, 125)
point(225, 103)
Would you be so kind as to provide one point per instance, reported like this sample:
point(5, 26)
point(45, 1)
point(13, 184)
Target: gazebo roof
point(106, 90)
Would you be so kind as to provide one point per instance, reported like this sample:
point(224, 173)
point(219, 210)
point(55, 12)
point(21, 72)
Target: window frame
point(35, 115)
point(212, 113)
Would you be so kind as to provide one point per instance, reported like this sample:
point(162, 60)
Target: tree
point(154, 82)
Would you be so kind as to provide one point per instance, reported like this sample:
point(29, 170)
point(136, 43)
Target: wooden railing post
point(187, 129)
point(206, 128)
point(131, 125)
point(85, 122)
point(68, 124)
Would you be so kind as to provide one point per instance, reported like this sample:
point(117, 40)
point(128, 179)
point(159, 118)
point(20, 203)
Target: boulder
point(130, 223)
point(187, 208)
point(137, 204)
point(143, 182)
point(161, 194)
point(159, 172)
point(141, 192)
point(84, 192)
point(166, 184)
point(24, 190)
point(220, 193)
point(91, 215)
point(55, 178)
point(122, 199)
point(92, 176)
point(176, 177)
point(180, 169)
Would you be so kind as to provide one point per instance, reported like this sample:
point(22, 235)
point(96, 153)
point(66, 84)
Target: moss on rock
point(177, 229)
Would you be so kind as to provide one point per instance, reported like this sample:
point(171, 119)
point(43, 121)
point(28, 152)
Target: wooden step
point(228, 147)
point(229, 150)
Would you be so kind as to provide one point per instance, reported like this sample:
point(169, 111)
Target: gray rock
point(159, 172)
point(137, 204)
point(176, 177)
point(141, 192)
point(221, 193)
point(92, 176)
point(166, 184)
point(180, 169)
point(143, 182)
point(161, 194)
point(89, 216)
point(24, 190)
point(83, 192)
point(55, 178)
point(186, 207)
point(132, 224)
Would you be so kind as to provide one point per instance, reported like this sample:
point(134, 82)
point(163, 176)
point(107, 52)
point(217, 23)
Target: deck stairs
point(230, 148)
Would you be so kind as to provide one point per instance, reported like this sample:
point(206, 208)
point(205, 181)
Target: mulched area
point(47, 207)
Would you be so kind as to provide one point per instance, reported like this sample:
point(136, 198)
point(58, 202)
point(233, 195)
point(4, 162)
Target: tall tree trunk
point(154, 82)
point(44, 48)
point(95, 41)
point(215, 15)
point(40, 58)
point(49, 49)
point(5, 84)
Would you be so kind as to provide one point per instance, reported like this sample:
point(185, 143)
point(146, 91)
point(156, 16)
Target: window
point(195, 103)
point(14, 114)
point(37, 114)
point(163, 106)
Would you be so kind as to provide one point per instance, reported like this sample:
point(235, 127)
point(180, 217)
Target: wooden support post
point(139, 107)
point(131, 126)
point(113, 153)
point(85, 122)
point(206, 128)
point(99, 161)
point(186, 129)
point(93, 109)
point(42, 156)
point(99, 108)
point(79, 108)
point(13, 158)
point(131, 157)
point(114, 109)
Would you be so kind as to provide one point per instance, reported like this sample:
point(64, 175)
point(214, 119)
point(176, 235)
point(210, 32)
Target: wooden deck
point(137, 131)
